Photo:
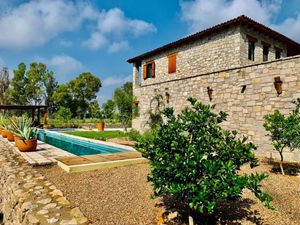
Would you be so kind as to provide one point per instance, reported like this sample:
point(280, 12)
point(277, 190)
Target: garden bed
point(122, 196)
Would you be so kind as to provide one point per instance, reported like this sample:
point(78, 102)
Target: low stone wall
point(27, 198)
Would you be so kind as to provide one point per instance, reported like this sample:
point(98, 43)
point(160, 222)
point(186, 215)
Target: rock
point(45, 201)
point(43, 212)
point(172, 215)
point(32, 220)
point(52, 220)
point(76, 212)
point(68, 222)
point(26, 206)
point(52, 187)
point(50, 206)
point(63, 201)
point(38, 187)
point(56, 192)
point(82, 220)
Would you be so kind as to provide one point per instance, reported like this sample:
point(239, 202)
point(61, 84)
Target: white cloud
point(201, 14)
point(118, 46)
point(64, 66)
point(115, 22)
point(96, 41)
point(35, 22)
point(116, 80)
point(113, 26)
point(65, 43)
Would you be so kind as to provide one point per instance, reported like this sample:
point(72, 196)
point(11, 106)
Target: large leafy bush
point(284, 130)
point(196, 161)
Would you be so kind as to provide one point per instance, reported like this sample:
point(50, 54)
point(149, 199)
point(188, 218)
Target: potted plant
point(100, 126)
point(3, 125)
point(25, 134)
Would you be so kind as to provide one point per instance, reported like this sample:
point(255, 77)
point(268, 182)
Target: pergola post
point(45, 115)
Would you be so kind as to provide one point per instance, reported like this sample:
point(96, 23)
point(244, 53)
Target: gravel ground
point(121, 196)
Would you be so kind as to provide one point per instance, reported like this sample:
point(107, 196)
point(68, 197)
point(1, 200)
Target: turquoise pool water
point(74, 145)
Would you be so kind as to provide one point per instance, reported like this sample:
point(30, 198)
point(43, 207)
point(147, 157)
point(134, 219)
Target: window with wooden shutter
point(172, 63)
point(149, 70)
point(145, 72)
point(153, 69)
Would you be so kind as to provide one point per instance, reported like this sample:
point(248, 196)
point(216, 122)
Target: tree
point(50, 85)
point(34, 83)
point(94, 109)
point(108, 109)
point(84, 89)
point(63, 113)
point(197, 162)
point(17, 91)
point(4, 85)
point(284, 130)
point(63, 97)
point(123, 98)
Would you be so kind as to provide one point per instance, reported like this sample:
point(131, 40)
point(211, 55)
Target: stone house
point(232, 65)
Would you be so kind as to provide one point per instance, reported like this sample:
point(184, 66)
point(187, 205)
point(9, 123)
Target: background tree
point(50, 85)
point(84, 89)
point(63, 97)
point(4, 85)
point(94, 109)
point(197, 162)
point(284, 130)
point(17, 91)
point(123, 98)
point(108, 109)
point(34, 83)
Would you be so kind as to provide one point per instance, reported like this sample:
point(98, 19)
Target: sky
point(98, 36)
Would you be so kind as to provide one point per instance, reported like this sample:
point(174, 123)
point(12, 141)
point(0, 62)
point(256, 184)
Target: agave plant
point(22, 127)
point(3, 122)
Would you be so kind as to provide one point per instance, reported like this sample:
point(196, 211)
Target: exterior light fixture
point(209, 92)
point(278, 85)
point(167, 96)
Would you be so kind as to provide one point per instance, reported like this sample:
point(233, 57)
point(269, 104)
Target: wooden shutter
point(172, 63)
point(153, 69)
point(145, 72)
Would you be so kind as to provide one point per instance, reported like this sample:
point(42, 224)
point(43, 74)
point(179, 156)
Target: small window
point(172, 63)
point(265, 53)
point(251, 49)
point(149, 70)
point(277, 54)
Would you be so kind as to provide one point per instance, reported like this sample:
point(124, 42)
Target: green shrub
point(284, 130)
point(133, 135)
point(194, 160)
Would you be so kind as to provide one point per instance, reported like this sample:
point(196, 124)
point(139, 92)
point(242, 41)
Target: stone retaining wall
point(246, 110)
point(27, 198)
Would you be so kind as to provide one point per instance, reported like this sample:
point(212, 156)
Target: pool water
point(76, 146)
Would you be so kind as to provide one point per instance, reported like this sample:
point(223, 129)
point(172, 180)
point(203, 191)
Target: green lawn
point(98, 135)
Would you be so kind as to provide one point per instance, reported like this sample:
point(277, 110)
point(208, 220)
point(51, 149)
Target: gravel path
point(121, 196)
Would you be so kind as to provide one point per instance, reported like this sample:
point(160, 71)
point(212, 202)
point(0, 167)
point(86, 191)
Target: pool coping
point(99, 165)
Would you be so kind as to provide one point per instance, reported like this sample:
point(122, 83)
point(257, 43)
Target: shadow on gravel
point(291, 169)
point(228, 212)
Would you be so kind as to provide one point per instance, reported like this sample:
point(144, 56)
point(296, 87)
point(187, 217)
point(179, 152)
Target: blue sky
point(100, 35)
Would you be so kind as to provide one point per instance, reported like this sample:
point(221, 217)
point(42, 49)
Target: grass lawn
point(98, 135)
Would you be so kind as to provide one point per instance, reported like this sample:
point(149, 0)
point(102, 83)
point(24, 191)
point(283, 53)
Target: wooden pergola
point(32, 108)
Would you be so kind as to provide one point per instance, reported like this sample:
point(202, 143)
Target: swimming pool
point(75, 145)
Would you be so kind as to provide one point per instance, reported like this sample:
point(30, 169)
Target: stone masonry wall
point(206, 55)
point(246, 110)
point(27, 198)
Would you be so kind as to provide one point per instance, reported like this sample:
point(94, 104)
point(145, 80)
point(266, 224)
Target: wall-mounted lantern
point(167, 97)
point(278, 85)
point(209, 92)
point(136, 102)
